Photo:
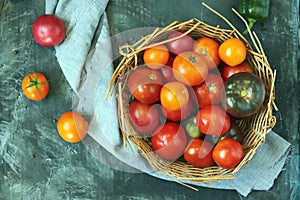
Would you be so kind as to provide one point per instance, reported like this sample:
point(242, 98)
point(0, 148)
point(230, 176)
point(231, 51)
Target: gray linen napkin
point(86, 67)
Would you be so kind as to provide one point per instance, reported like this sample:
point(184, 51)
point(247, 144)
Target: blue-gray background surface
point(35, 163)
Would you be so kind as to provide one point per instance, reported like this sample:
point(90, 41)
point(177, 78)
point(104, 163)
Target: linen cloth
point(86, 57)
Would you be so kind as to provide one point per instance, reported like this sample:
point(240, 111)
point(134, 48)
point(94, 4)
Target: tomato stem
point(152, 77)
point(35, 83)
point(244, 92)
point(192, 58)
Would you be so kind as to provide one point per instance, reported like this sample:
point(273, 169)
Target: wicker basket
point(254, 128)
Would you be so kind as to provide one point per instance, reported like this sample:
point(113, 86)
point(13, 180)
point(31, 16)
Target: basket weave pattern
point(254, 128)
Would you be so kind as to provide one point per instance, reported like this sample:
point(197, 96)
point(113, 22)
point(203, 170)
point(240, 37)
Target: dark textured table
point(35, 163)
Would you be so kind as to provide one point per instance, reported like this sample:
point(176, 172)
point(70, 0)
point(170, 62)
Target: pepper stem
point(251, 22)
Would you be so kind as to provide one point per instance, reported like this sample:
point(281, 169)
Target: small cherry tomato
point(234, 132)
point(210, 91)
point(190, 68)
point(145, 85)
point(213, 120)
point(174, 96)
point(232, 51)
point(169, 141)
point(191, 128)
point(180, 45)
point(72, 127)
point(156, 57)
point(48, 30)
point(227, 71)
point(208, 48)
point(178, 115)
point(144, 117)
point(228, 153)
point(35, 86)
point(199, 153)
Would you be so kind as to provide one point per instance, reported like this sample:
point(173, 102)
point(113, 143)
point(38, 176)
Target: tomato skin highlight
point(213, 120)
point(35, 86)
point(228, 153)
point(169, 141)
point(48, 30)
point(72, 127)
point(199, 153)
point(190, 68)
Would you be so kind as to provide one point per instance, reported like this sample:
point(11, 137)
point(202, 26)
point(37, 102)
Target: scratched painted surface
point(36, 164)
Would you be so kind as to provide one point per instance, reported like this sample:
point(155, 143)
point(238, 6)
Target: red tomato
point(144, 117)
point(213, 120)
point(178, 115)
point(208, 48)
point(145, 85)
point(199, 153)
point(72, 127)
point(48, 30)
point(210, 91)
point(156, 57)
point(190, 68)
point(182, 44)
point(228, 153)
point(35, 86)
point(232, 51)
point(227, 71)
point(169, 141)
point(174, 96)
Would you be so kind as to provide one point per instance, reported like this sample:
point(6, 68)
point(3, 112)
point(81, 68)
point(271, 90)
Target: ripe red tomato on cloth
point(48, 30)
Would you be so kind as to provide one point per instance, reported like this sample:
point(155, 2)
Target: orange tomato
point(35, 86)
point(156, 57)
point(208, 48)
point(190, 68)
point(232, 51)
point(72, 127)
point(174, 96)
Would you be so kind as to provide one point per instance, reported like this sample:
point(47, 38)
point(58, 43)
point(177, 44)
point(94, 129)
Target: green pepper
point(254, 10)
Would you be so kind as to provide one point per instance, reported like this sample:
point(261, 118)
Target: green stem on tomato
point(35, 83)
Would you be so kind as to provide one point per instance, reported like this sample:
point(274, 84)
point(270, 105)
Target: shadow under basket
point(254, 128)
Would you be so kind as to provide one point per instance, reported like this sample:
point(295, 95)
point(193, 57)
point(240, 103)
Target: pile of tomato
point(48, 31)
point(188, 94)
